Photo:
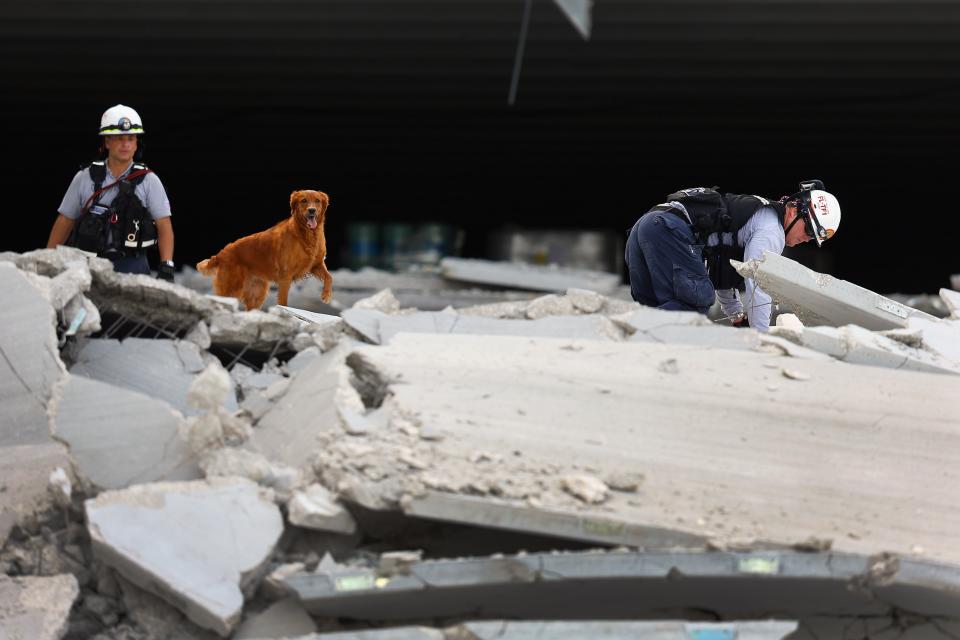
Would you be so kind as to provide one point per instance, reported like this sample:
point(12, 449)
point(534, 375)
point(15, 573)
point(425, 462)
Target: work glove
point(165, 271)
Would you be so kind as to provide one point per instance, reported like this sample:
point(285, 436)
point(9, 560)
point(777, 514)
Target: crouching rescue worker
point(678, 253)
point(116, 206)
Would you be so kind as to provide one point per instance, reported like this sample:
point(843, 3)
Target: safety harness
point(126, 226)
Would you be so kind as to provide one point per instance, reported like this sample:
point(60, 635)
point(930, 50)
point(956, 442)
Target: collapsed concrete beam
point(197, 545)
point(30, 365)
point(599, 629)
point(523, 276)
point(283, 619)
point(36, 608)
point(495, 418)
point(119, 437)
point(821, 299)
point(380, 328)
point(632, 584)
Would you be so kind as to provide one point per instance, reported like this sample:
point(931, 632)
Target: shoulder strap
point(98, 173)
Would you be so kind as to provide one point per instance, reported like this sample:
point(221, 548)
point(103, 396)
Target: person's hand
point(165, 271)
point(740, 321)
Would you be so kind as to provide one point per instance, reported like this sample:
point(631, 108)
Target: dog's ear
point(326, 200)
point(293, 201)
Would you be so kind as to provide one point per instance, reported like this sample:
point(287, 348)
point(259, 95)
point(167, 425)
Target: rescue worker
point(678, 253)
point(117, 207)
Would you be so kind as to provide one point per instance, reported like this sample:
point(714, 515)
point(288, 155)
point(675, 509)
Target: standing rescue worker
point(117, 207)
point(678, 253)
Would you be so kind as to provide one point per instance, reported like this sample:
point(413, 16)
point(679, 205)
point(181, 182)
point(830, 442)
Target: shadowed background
point(398, 109)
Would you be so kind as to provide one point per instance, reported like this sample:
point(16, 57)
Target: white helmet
point(819, 210)
point(824, 214)
point(120, 120)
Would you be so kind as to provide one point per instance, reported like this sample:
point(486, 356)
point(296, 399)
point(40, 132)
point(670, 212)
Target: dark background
point(398, 109)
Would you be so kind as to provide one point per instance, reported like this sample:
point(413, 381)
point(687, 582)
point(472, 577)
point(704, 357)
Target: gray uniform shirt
point(150, 191)
point(762, 232)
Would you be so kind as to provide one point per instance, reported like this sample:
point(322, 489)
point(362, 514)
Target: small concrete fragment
point(952, 299)
point(316, 508)
point(231, 461)
point(821, 299)
point(119, 437)
point(550, 305)
point(524, 276)
point(283, 619)
point(195, 544)
point(30, 365)
point(585, 300)
point(36, 608)
point(162, 369)
point(587, 488)
point(383, 301)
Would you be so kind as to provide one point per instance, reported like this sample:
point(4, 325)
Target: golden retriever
point(287, 251)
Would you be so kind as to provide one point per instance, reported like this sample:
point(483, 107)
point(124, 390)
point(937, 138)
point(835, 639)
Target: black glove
point(165, 271)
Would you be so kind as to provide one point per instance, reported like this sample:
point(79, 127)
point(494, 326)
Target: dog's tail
point(209, 266)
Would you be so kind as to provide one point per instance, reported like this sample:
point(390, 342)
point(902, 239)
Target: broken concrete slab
point(857, 345)
point(197, 545)
point(283, 619)
point(36, 608)
point(523, 276)
point(942, 337)
point(163, 369)
point(478, 390)
point(289, 432)
point(380, 328)
point(714, 336)
point(637, 584)
point(821, 299)
point(119, 437)
point(951, 299)
point(31, 365)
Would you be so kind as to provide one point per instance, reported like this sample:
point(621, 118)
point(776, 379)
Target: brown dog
point(283, 253)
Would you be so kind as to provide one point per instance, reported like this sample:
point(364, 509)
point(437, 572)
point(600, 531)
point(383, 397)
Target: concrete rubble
point(466, 467)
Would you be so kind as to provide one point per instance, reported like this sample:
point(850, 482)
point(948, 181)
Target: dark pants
point(666, 264)
point(136, 263)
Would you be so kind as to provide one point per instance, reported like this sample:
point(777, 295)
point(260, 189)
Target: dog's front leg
point(320, 270)
point(283, 289)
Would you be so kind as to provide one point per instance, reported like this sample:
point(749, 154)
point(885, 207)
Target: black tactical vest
point(710, 212)
point(123, 228)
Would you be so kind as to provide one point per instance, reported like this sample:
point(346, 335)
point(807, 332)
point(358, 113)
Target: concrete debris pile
point(569, 465)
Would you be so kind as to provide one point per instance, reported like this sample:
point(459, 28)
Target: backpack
point(125, 224)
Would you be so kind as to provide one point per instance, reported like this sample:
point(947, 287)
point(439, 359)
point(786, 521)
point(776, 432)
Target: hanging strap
point(129, 177)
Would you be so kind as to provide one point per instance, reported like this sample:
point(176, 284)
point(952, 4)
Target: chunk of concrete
point(534, 395)
point(283, 619)
point(24, 474)
point(585, 300)
point(163, 369)
point(30, 365)
point(254, 329)
point(316, 508)
point(197, 545)
point(36, 608)
point(821, 299)
point(951, 299)
point(232, 461)
point(119, 437)
point(324, 329)
point(524, 276)
point(942, 337)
